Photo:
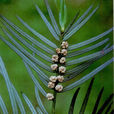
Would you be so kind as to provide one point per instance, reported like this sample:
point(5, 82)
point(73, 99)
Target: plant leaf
point(112, 111)
point(47, 23)
point(18, 100)
point(71, 109)
point(40, 45)
point(79, 70)
point(39, 111)
point(3, 106)
point(88, 57)
point(109, 107)
point(97, 101)
point(35, 80)
point(38, 62)
point(44, 39)
point(40, 73)
point(29, 104)
point(70, 25)
point(52, 18)
point(80, 25)
point(39, 101)
point(45, 57)
point(62, 15)
point(85, 101)
point(0, 71)
point(88, 76)
point(75, 46)
point(9, 87)
point(81, 67)
point(72, 54)
point(85, 64)
point(81, 18)
point(107, 101)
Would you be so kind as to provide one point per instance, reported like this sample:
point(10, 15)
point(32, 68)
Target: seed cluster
point(50, 96)
point(59, 68)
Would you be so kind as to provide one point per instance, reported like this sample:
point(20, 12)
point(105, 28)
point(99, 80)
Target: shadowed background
point(100, 22)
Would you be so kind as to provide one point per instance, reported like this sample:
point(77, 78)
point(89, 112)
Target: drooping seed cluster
point(59, 68)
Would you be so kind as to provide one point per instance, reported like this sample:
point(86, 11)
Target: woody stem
point(55, 93)
point(54, 103)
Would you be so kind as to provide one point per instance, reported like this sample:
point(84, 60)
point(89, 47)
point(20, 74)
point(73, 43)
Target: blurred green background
point(100, 22)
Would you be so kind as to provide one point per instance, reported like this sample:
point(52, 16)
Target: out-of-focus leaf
point(97, 101)
point(9, 87)
point(52, 18)
point(112, 111)
point(88, 76)
point(107, 101)
point(40, 45)
point(87, 97)
point(39, 101)
point(108, 109)
point(5, 1)
point(75, 46)
point(44, 39)
point(88, 48)
point(47, 23)
point(80, 25)
point(88, 57)
point(62, 15)
point(71, 108)
point(29, 104)
point(85, 101)
point(3, 106)
point(40, 73)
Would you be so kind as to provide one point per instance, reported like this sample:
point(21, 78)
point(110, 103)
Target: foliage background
point(100, 22)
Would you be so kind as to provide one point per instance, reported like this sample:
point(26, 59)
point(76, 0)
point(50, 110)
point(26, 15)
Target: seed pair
point(57, 78)
point(61, 51)
point(53, 80)
point(61, 69)
point(52, 83)
point(55, 58)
